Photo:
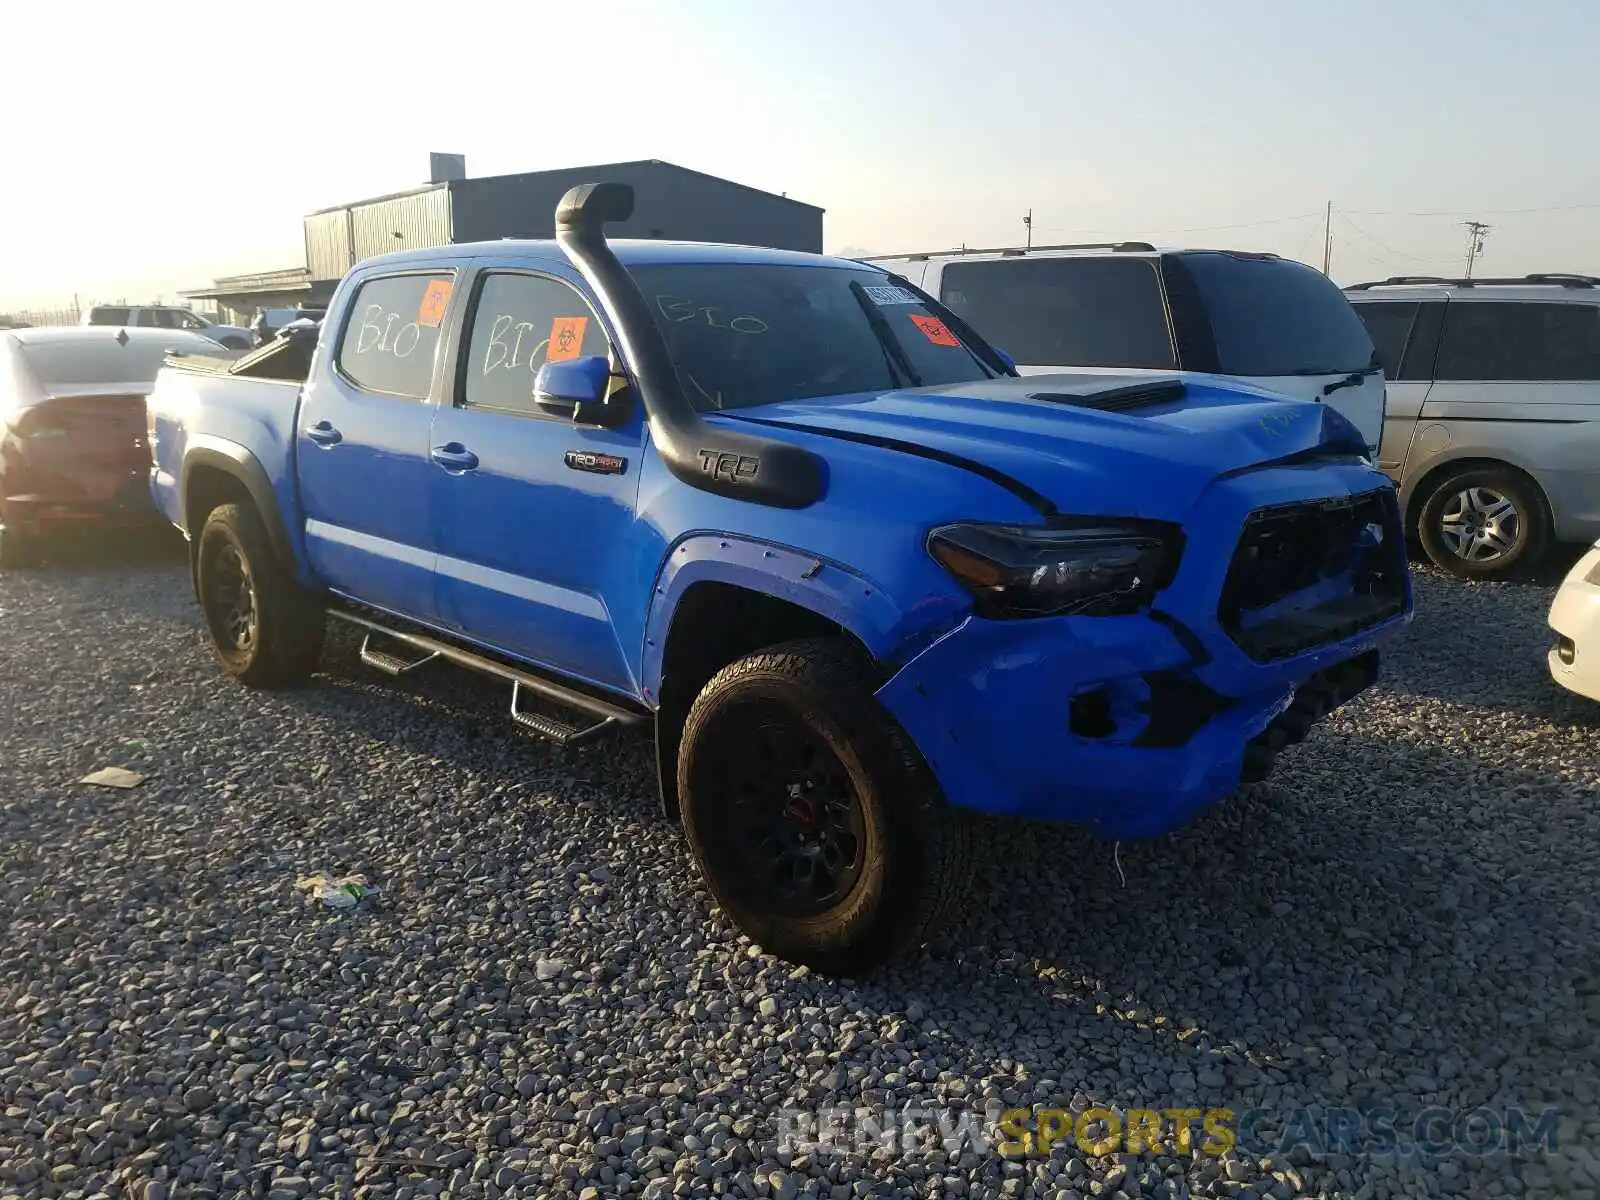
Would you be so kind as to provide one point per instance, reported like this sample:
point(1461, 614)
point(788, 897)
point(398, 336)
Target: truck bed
point(223, 408)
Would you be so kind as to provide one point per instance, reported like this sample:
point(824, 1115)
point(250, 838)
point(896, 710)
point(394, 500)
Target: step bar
point(603, 715)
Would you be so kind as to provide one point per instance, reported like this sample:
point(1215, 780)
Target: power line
point(1196, 229)
point(1425, 260)
point(1487, 212)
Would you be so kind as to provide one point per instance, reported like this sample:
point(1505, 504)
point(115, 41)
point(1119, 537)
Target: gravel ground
point(539, 1002)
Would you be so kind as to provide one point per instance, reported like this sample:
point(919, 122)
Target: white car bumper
point(1575, 616)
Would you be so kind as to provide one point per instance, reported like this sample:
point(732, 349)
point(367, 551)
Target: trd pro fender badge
point(595, 463)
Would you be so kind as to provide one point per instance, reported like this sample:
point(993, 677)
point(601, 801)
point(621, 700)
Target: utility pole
point(1476, 232)
point(1027, 225)
point(1327, 237)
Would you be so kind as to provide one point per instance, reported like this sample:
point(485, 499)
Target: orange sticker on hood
point(566, 338)
point(935, 330)
point(430, 315)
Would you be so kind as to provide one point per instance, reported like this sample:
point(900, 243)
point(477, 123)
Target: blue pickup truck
point(860, 578)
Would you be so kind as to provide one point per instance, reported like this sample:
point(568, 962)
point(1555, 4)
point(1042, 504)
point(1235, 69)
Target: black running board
point(601, 716)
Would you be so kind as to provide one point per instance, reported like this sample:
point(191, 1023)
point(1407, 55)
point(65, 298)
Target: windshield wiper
point(893, 351)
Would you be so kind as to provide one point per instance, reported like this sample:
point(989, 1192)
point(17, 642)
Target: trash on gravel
point(113, 777)
point(345, 892)
point(138, 745)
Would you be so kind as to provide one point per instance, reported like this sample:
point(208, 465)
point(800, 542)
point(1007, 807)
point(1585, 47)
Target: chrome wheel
point(1479, 524)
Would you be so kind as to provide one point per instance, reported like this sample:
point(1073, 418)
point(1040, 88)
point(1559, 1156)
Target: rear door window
point(1065, 312)
point(1272, 316)
point(106, 315)
point(391, 334)
point(1527, 341)
point(1389, 325)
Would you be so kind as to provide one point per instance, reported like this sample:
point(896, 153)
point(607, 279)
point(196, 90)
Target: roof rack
point(1556, 278)
point(1011, 251)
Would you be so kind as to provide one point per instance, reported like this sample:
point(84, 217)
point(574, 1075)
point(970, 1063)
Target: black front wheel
point(18, 548)
point(815, 824)
point(266, 630)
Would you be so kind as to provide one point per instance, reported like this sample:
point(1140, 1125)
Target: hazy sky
point(153, 145)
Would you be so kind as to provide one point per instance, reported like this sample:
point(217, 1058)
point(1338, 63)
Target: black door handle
point(324, 434)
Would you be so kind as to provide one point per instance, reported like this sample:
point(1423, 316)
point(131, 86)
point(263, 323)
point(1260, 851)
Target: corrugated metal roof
point(597, 168)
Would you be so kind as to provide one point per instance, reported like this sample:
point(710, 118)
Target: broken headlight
point(1100, 568)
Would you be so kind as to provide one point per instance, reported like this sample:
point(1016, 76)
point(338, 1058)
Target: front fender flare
point(828, 588)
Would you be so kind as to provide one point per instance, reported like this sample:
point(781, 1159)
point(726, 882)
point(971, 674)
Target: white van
point(1258, 319)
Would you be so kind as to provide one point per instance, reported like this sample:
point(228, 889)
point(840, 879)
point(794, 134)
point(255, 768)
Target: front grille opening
point(1307, 574)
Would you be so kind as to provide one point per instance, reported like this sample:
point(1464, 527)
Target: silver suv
point(1492, 430)
point(166, 316)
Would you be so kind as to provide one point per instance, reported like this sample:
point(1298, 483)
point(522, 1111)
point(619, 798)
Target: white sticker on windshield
point(890, 295)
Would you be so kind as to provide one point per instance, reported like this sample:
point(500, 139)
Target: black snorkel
point(728, 463)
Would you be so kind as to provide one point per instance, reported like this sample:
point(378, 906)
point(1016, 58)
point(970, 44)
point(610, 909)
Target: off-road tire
point(290, 623)
point(1533, 533)
point(18, 548)
point(917, 860)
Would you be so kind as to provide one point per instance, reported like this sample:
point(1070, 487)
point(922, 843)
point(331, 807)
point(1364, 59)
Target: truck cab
point(861, 580)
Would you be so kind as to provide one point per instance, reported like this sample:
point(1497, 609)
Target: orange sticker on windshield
point(566, 338)
point(431, 313)
point(935, 330)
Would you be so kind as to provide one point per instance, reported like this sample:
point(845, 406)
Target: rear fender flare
point(830, 589)
point(240, 464)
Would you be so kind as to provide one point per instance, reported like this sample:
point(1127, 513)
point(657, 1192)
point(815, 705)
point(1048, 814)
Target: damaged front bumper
point(1131, 725)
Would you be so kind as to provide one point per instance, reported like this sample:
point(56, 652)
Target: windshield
point(79, 362)
point(1271, 316)
point(743, 334)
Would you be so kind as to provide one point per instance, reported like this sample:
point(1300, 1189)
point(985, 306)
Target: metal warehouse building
point(670, 202)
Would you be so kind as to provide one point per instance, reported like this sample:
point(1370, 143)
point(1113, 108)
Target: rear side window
point(1492, 341)
point(1271, 316)
point(1389, 326)
point(391, 334)
point(1065, 312)
point(520, 323)
point(104, 315)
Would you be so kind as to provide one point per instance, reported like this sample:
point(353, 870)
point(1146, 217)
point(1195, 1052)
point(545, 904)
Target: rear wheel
point(816, 825)
point(266, 630)
point(1485, 523)
point(18, 548)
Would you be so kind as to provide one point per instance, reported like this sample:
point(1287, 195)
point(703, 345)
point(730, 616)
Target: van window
point(1065, 312)
point(1496, 340)
point(1271, 316)
point(107, 315)
point(1389, 325)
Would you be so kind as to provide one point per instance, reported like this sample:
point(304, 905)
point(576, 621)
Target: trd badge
point(596, 464)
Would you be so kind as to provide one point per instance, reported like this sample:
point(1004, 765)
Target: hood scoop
point(1122, 398)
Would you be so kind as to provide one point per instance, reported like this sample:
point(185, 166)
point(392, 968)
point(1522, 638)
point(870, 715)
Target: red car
point(72, 443)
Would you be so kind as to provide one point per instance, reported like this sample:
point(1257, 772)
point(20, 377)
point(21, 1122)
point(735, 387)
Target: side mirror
point(1004, 357)
point(576, 388)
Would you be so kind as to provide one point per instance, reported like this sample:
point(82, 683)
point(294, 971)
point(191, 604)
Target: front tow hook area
point(1313, 700)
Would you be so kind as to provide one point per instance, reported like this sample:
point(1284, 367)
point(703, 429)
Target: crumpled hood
point(1149, 460)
